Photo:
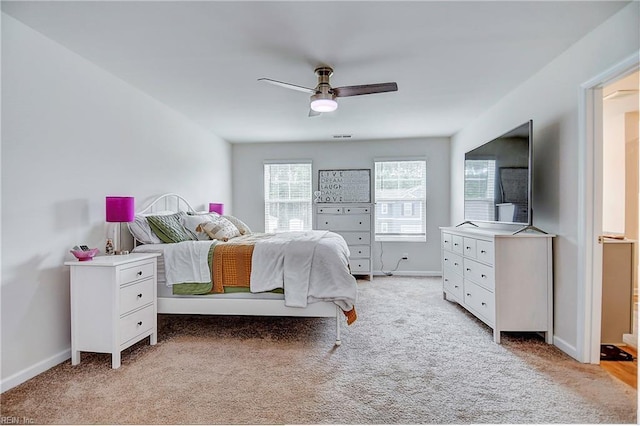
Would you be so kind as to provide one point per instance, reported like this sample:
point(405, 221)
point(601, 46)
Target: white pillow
point(191, 223)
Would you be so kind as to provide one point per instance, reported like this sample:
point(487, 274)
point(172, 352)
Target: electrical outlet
point(405, 256)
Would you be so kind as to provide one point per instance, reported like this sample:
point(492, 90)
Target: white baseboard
point(411, 273)
point(31, 372)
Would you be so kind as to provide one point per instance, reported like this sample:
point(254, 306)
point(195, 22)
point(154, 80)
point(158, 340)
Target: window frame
point(420, 210)
point(308, 200)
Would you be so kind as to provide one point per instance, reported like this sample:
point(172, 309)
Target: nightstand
point(113, 304)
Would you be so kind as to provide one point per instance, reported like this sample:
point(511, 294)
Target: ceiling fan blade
point(313, 113)
point(365, 89)
point(288, 85)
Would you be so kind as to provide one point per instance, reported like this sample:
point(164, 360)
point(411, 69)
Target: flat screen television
point(498, 180)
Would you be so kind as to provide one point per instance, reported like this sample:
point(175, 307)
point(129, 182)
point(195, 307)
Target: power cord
point(390, 273)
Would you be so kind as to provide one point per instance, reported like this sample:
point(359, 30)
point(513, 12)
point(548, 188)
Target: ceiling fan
point(323, 97)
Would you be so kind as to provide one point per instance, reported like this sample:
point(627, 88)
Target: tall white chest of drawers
point(353, 222)
point(113, 304)
point(504, 279)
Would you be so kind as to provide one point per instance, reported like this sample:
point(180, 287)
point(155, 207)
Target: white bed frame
point(227, 305)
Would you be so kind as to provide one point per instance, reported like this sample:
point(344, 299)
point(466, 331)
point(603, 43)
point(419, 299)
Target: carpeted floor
point(411, 358)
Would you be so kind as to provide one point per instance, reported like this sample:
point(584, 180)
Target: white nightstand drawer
point(330, 210)
point(136, 273)
point(360, 251)
point(359, 265)
point(136, 295)
point(136, 323)
point(357, 210)
point(355, 238)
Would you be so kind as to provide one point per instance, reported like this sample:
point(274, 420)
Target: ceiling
point(452, 60)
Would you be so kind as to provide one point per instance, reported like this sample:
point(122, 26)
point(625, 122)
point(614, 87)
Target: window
point(287, 197)
point(400, 195)
point(479, 189)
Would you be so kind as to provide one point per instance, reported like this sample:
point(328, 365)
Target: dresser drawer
point(484, 251)
point(136, 295)
point(359, 265)
point(447, 242)
point(469, 247)
point(453, 262)
point(481, 301)
point(452, 283)
point(136, 323)
point(479, 273)
point(456, 243)
point(345, 222)
point(356, 210)
point(329, 210)
point(355, 238)
point(135, 273)
point(359, 251)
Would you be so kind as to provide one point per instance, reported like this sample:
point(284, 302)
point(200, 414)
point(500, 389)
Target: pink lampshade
point(216, 207)
point(120, 209)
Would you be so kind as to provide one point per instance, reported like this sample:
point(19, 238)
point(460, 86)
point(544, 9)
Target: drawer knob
point(455, 263)
point(139, 273)
point(360, 223)
point(483, 276)
point(468, 269)
point(484, 304)
point(455, 286)
point(359, 238)
point(469, 294)
point(326, 223)
point(348, 210)
point(139, 323)
point(140, 296)
point(468, 248)
point(483, 251)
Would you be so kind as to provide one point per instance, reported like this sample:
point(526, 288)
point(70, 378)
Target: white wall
point(71, 135)
point(551, 99)
point(423, 257)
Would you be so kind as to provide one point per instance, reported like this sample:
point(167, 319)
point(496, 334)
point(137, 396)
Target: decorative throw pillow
point(219, 229)
point(169, 228)
point(142, 232)
point(242, 227)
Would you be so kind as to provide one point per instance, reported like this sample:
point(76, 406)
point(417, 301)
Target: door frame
point(589, 303)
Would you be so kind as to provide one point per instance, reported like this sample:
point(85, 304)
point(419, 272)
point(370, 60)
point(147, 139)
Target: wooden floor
point(627, 371)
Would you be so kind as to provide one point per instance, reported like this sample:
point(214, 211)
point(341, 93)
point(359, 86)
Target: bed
point(298, 274)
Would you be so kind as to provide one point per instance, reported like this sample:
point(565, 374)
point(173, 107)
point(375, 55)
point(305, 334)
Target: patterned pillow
point(169, 228)
point(142, 232)
point(219, 229)
point(242, 227)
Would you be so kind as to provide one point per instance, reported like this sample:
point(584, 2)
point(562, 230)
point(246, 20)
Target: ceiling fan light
point(324, 105)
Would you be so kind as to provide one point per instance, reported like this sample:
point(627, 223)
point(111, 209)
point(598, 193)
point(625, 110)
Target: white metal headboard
point(168, 202)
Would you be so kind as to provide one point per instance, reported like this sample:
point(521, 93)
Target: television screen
point(497, 179)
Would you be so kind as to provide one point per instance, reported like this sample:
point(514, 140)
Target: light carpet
point(411, 358)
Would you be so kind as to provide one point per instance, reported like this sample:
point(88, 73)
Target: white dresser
point(113, 304)
point(505, 280)
point(354, 222)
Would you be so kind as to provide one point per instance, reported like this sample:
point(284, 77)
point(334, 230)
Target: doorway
point(591, 182)
point(620, 223)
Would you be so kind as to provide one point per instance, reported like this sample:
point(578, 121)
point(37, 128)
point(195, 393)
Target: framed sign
point(344, 186)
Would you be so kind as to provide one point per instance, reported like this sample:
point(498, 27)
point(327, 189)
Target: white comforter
point(311, 266)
